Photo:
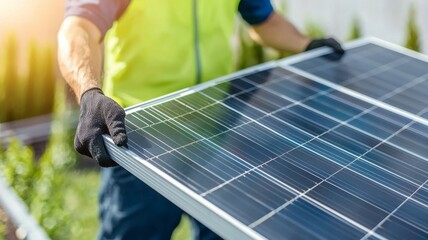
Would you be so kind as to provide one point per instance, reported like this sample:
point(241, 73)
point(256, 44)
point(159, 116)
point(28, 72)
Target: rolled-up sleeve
point(255, 11)
point(100, 12)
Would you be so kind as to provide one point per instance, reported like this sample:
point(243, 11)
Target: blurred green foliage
point(81, 201)
point(41, 184)
point(25, 94)
point(18, 168)
point(355, 32)
point(2, 229)
point(314, 30)
point(413, 39)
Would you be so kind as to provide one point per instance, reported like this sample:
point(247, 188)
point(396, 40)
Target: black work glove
point(326, 42)
point(99, 115)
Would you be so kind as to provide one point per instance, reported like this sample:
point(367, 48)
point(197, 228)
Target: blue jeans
point(129, 209)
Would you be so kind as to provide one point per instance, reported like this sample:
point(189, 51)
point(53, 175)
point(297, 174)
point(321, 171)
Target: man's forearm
point(79, 54)
point(80, 60)
point(277, 32)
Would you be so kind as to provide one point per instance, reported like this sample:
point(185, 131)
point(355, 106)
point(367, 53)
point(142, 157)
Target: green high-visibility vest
point(161, 46)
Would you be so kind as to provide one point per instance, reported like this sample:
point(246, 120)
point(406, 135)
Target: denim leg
point(200, 232)
point(129, 209)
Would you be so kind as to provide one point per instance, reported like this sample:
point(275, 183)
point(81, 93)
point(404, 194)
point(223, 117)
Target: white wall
point(386, 19)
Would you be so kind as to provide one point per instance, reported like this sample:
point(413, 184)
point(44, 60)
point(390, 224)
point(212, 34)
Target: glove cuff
point(97, 89)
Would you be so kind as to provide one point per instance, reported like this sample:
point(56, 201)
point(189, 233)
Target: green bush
point(413, 39)
point(81, 201)
point(41, 184)
point(18, 168)
point(355, 32)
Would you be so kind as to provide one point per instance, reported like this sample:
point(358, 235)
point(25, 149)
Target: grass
point(82, 201)
point(82, 197)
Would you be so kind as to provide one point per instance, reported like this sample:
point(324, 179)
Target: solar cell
point(373, 71)
point(284, 151)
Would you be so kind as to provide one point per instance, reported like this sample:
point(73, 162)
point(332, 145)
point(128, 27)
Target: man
point(153, 47)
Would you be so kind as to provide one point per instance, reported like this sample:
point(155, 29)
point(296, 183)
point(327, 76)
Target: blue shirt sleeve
point(255, 11)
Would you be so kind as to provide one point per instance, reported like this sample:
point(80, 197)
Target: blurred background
point(38, 112)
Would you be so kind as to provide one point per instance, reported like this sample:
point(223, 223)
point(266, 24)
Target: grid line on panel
point(380, 68)
point(365, 132)
point(372, 72)
point(216, 102)
point(225, 183)
point(393, 103)
point(356, 106)
point(238, 126)
point(351, 119)
point(362, 53)
point(304, 194)
point(396, 133)
point(253, 88)
point(214, 144)
point(170, 119)
point(377, 207)
point(372, 231)
point(298, 146)
point(302, 103)
point(147, 109)
point(345, 123)
point(358, 95)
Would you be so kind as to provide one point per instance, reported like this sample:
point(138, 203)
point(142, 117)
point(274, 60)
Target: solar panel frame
point(199, 207)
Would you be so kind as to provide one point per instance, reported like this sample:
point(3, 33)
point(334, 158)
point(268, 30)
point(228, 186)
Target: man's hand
point(326, 42)
point(99, 115)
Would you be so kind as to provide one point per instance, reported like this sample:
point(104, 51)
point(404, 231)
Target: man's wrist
point(305, 43)
point(326, 42)
point(97, 89)
point(85, 89)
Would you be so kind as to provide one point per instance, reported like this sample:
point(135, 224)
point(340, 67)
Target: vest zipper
point(196, 42)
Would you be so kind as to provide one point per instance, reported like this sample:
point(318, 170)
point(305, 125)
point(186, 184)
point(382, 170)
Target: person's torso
point(158, 47)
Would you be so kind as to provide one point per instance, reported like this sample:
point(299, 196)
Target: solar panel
point(301, 148)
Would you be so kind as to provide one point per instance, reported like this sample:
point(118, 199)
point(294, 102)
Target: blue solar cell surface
point(376, 72)
point(294, 159)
